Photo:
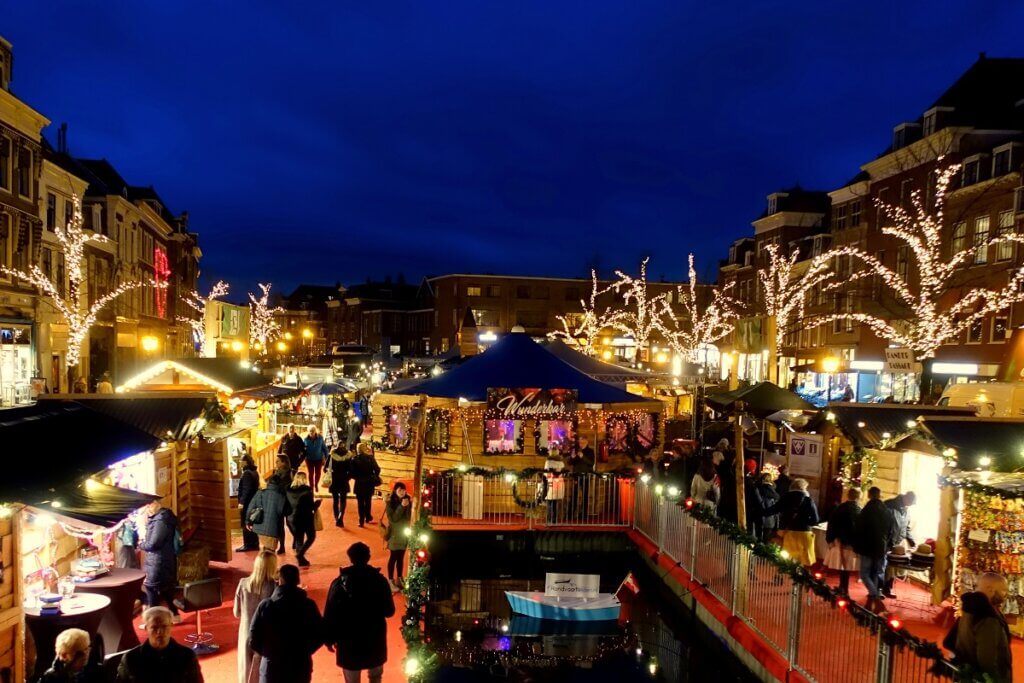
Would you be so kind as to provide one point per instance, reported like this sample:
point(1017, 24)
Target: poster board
point(804, 456)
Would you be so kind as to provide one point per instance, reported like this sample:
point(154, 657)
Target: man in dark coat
point(899, 509)
point(366, 473)
point(286, 630)
point(248, 485)
point(581, 463)
point(293, 447)
point(160, 659)
point(161, 560)
point(842, 529)
point(273, 502)
point(359, 603)
point(873, 537)
point(981, 638)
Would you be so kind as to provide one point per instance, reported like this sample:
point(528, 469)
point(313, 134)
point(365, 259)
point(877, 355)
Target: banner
point(540, 404)
point(900, 361)
point(804, 453)
point(572, 585)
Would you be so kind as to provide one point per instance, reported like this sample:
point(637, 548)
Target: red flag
point(630, 584)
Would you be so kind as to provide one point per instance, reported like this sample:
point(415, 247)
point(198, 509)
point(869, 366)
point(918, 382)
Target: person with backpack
point(797, 514)
point(359, 603)
point(161, 543)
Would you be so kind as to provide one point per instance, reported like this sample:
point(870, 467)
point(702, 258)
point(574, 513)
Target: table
point(84, 611)
point(123, 587)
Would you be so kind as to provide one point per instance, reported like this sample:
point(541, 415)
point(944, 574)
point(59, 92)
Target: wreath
point(542, 492)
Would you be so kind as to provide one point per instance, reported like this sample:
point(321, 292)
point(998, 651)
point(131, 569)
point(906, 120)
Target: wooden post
point(417, 473)
point(741, 500)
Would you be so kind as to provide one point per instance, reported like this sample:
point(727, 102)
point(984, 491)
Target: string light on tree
point(700, 326)
point(198, 303)
point(591, 323)
point(75, 309)
point(639, 319)
point(263, 329)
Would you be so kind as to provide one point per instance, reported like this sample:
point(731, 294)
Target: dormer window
point(932, 121)
point(975, 169)
point(904, 134)
point(773, 201)
point(1005, 159)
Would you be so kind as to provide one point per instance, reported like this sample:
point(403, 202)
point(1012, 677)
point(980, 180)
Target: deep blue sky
point(325, 141)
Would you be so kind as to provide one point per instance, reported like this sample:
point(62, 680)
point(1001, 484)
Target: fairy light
point(699, 326)
point(586, 329)
point(198, 303)
point(262, 326)
point(640, 319)
point(165, 365)
point(78, 316)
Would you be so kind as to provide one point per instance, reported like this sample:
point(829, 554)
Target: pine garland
point(978, 487)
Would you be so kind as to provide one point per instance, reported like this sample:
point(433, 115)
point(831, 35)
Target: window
point(572, 293)
point(523, 292)
point(493, 290)
point(540, 292)
point(51, 211)
point(485, 317)
point(46, 262)
point(929, 123)
point(5, 241)
point(25, 173)
point(503, 436)
point(959, 241)
point(473, 290)
point(69, 209)
point(1001, 327)
point(976, 332)
point(558, 433)
point(1004, 252)
point(58, 277)
point(5, 163)
point(906, 190)
point(839, 218)
point(838, 325)
point(855, 213)
point(773, 204)
point(970, 172)
point(533, 319)
point(981, 239)
point(438, 433)
point(397, 431)
point(902, 262)
point(1001, 163)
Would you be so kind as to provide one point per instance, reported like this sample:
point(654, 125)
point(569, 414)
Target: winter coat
point(245, 605)
point(316, 449)
point(769, 497)
point(355, 617)
point(727, 483)
point(704, 491)
point(842, 523)
point(796, 510)
point(286, 630)
point(248, 485)
point(294, 448)
point(365, 471)
point(900, 520)
point(301, 504)
point(274, 501)
point(874, 530)
point(161, 561)
point(399, 517)
point(92, 673)
point(983, 638)
point(782, 483)
point(173, 664)
point(755, 506)
point(341, 472)
point(581, 461)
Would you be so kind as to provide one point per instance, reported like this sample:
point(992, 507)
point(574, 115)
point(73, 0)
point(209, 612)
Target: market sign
point(519, 404)
point(900, 361)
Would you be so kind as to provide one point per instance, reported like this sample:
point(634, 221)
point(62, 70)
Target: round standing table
point(84, 611)
point(123, 587)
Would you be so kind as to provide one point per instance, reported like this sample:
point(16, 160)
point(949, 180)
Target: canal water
point(478, 638)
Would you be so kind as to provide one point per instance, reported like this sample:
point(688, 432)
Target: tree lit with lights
point(198, 303)
point(263, 329)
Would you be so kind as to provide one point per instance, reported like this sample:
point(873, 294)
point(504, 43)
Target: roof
point(999, 439)
point(95, 503)
point(168, 417)
point(986, 95)
point(223, 374)
point(761, 400)
point(516, 361)
point(799, 200)
point(77, 443)
point(269, 393)
point(103, 178)
point(606, 372)
point(867, 424)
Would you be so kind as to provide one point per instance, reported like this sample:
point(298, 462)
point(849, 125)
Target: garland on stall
point(539, 495)
point(868, 468)
point(977, 487)
point(435, 417)
point(420, 659)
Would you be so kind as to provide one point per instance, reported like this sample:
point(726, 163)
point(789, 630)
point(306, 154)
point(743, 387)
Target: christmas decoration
point(868, 464)
point(75, 309)
point(162, 275)
point(700, 325)
point(639, 320)
point(263, 329)
point(585, 330)
point(972, 486)
point(198, 303)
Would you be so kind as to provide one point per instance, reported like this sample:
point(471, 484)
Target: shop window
point(558, 433)
point(916, 468)
point(617, 434)
point(981, 239)
point(1004, 252)
point(503, 437)
point(646, 432)
point(959, 241)
point(473, 290)
point(438, 432)
point(976, 332)
point(1001, 326)
point(397, 431)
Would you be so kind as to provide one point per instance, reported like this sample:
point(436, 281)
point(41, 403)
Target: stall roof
point(269, 393)
point(1000, 439)
point(516, 361)
point(169, 417)
point(598, 369)
point(865, 424)
point(94, 503)
point(762, 399)
point(227, 375)
point(55, 443)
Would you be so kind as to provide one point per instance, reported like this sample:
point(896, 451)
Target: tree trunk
point(417, 476)
point(773, 351)
point(925, 386)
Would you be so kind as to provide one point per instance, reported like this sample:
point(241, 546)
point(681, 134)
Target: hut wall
point(208, 499)
point(183, 501)
point(164, 461)
point(887, 476)
point(12, 635)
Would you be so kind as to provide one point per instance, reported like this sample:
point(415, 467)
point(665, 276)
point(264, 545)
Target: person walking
point(797, 514)
point(769, 497)
point(248, 485)
point(315, 453)
point(293, 447)
point(269, 507)
point(873, 535)
point(755, 506)
point(705, 488)
point(160, 659)
point(981, 638)
point(341, 473)
point(366, 473)
point(841, 536)
point(286, 630)
point(899, 508)
point(161, 560)
point(302, 507)
point(251, 591)
point(74, 662)
point(581, 463)
point(359, 603)
point(399, 515)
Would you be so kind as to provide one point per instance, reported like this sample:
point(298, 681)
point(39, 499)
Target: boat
point(602, 607)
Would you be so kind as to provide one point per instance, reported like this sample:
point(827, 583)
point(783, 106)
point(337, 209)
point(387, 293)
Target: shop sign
point(572, 585)
point(804, 454)
point(230, 321)
point(519, 404)
point(900, 361)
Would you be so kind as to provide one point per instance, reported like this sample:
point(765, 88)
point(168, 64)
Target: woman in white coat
point(251, 591)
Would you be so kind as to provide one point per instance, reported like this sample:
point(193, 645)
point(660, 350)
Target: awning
point(760, 400)
point(94, 503)
point(867, 425)
point(273, 392)
point(167, 417)
point(1001, 440)
point(330, 388)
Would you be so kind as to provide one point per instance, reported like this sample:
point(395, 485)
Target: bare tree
point(592, 321)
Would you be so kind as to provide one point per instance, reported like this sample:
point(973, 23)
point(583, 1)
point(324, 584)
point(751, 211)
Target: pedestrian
point(293, 447)
point(899, 508)
point(366, 473)
point(769, 497)
point(726, 469)
point(248, 485)
point(341, 473)
point(981, 638)
point(398, 511)
point(286, 630)
point(782, 483)
point(251, 591)
point(582, 464)
point(161, 560)
point(797, 514)
point(269, 507)
point(160, 659)
point(706, 489)
point(302, 509)
point(874, 532)
point(315, 453)
point(74, 662)
point(752, 496)
point(553, 466)
point(127, 545)
point(841, 536)
point(355, 617)
point(104, 386)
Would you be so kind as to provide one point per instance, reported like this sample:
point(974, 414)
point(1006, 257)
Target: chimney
point(468, 345)
point(62, 138)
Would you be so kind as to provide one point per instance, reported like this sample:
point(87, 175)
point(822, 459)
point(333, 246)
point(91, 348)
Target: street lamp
point(281, 347)
point(829, 364)
point(150, 344)
point(307, 334)
point(288, 336)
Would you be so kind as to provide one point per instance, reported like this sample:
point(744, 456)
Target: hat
point(923, 549)
point(750, 465)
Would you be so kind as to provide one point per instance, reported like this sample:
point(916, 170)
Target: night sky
point(331, 141)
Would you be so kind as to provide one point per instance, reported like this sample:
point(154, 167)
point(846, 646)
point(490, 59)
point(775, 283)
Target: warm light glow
point(92, 485)
point(985, 461)
point(424, 538)
point(165, 365)
point(288, 336)
point(784, 554)
point(150, 343)
point(407, 531)
point(606, 355)
point(830, 365)
point(673, 491)
point(307, 333)
point(412, 665)
point(281, 347)
point(661, 357)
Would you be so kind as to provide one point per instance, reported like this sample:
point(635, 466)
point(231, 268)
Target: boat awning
point(95, 503)
point(1001, 440)
point(867, 425)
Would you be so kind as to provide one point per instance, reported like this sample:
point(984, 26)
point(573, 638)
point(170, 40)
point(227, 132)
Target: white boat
point(602, 607)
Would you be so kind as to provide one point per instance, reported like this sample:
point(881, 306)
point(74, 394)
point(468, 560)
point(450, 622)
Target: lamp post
point(829, 364)
point(307, 334)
